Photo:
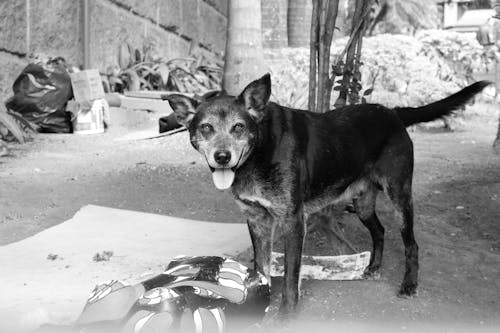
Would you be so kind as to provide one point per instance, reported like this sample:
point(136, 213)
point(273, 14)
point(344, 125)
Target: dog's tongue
point(223, 178)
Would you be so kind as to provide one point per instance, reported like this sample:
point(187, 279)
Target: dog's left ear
point(183, 106)
point(256, 95)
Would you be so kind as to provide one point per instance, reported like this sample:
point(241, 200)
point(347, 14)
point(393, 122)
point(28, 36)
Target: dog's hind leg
point(400, 194)
point(394, 173)
point(365, 209)
point(294, 233)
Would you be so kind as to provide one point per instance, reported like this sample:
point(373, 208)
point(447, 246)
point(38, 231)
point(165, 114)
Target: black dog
point(284, 164)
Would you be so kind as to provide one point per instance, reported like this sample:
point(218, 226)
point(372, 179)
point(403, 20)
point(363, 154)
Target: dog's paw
point(407, 290)
point(371, 274)
point(287, 311)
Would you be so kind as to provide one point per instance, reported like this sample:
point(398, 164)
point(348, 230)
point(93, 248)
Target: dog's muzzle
point(222, 157)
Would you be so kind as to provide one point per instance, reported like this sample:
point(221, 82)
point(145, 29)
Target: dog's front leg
point(294, 233)
point(261, 228)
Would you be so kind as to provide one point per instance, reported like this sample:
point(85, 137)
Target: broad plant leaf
point(368, 92)
point(124, 56)
point(164, 73)
point(9, 122)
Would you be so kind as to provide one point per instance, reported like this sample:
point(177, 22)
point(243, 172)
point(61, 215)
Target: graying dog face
point(223, 132)
point(224, 128)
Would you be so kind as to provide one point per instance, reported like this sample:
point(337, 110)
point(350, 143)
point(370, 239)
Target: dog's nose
point(222, 157)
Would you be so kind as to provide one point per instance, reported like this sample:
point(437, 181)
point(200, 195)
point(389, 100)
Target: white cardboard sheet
point(34, 289)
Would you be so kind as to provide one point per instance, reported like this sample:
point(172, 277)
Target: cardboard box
point(87, 86)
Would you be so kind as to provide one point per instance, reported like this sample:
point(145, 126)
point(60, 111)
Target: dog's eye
point(238, 127)
point(206, 128)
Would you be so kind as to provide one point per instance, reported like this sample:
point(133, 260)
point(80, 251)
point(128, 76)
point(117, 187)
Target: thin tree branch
point(330, 28)
point(360, 14)
point(323, 10)
point(313, 55)
point(352, 36)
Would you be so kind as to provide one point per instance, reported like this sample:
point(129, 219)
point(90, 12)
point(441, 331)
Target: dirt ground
point(457, 207)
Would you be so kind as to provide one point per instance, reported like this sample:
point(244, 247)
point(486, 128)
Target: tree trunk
point(244, 57)
point(299, 22)
point(274, 23)
point(496, 144)
point(324, 14)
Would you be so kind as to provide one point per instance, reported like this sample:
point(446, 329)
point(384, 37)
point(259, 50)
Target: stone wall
point(54, 28)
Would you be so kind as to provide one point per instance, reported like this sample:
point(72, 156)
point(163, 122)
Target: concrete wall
point(203, 22)
point(10, 66)
point(12, 43)
point(107, 35)
point(13, 26)
point(54, 28)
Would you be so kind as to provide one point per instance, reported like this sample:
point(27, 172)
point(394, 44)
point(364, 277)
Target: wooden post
point(85, 33)
point(28, 28)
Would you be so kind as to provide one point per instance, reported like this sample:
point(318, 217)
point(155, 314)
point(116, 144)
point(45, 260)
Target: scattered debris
point(53, 256)
point(103, 256)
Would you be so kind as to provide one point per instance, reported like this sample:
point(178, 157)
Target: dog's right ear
point(256, 95)
point(183, 106)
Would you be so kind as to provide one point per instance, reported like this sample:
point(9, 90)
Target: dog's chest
point(253, 197)
point(254, 194)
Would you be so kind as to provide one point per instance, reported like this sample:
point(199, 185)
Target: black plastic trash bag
point(41, 94)
point(168, 123)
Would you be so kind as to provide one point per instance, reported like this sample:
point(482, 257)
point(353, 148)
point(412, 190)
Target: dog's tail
point(444, 107)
